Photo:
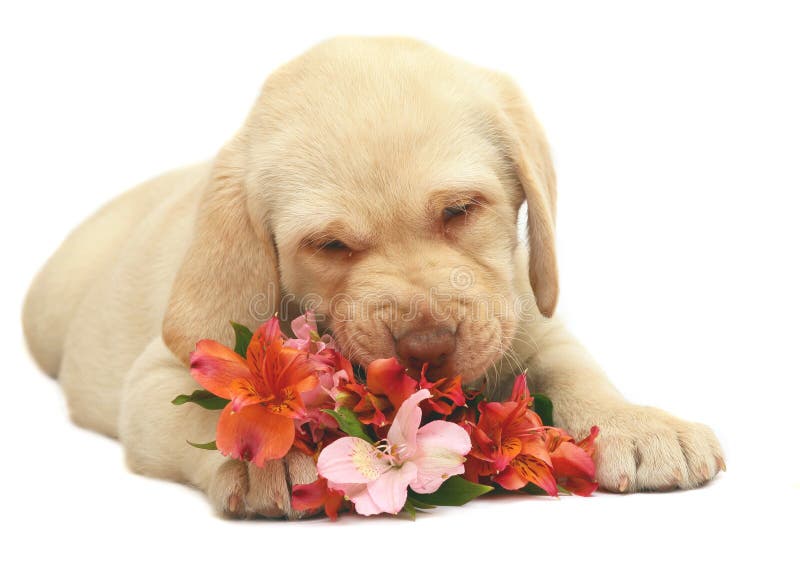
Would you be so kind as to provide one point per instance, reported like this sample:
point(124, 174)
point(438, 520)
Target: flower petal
point(290, 401)
point(496, 417)
point(441, 447)
point(587, 443)
point(369, 408)
point(386, 376)
point(509, 449)
point(216, 367)
point(403, 432)
point(535, 445)
point(303, 325)
point(318, 494)
point(333, 504)
point(520, 392)
point(243, 394)
point(483, 447)
point(510, 479)
point(309, 496)
point(359, 495)
point(389, 492)
point(446, 393)
point(254, 434)
point(534, 470)
point(266, 334)
point(580, 486)
point(444, 434)
point(351, 460)
point(572, 461)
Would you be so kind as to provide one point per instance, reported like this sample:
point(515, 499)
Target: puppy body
point(101, 298)
point(359, 138)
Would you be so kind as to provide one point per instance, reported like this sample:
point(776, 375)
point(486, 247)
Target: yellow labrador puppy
point(378, 181)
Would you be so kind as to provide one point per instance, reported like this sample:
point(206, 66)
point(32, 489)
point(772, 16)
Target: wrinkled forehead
point(380, 198)
point(376, 169)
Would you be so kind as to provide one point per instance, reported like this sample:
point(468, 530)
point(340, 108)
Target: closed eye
point(462, 209)
point(333, 245)
point(451, 212)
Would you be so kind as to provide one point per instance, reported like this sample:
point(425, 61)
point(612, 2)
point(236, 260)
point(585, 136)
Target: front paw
point(642, 449)
point(241, 490)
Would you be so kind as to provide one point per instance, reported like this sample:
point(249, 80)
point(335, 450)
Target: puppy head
point(377, 182)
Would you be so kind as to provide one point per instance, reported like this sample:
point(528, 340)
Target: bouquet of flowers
point(384, 442)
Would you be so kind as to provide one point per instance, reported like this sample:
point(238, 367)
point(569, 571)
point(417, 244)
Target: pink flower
point(331, 369)
point(376, 478)
point(307, 337)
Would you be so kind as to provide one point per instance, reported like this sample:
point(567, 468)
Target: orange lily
point(508, 444)
point(264, 390)
point(446, 394)
point(387, 387)
point(572, 461)
point(511, 446)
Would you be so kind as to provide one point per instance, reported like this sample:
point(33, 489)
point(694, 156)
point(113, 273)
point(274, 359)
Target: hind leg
point(57, 292)
point(62, 284)
point(154, 434)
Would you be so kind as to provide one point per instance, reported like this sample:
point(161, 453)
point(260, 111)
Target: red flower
point(446, 394)
point(388, 385)
point(281, 393)
point(376, 403)
point(512, 447)
point(310, 497)
point(572, 461)
point(264, 391)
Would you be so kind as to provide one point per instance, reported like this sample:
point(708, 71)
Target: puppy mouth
point(431, 373)
point(472, 367)
point(476, 348)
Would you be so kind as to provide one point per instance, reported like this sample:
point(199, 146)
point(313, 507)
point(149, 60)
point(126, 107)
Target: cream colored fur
point(364, 141)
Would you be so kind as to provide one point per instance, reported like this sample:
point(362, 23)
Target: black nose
point(434, 347)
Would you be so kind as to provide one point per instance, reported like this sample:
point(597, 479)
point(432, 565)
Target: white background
point(675, 132)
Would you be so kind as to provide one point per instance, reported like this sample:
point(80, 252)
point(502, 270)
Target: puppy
point(377, 181)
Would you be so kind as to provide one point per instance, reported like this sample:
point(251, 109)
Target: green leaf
point(349, 423)
point(243, 337)
point(531, 488)
point(417, 503)
point(544, 409)
point(205, 399)
point(411, 510)
point(454, 492)
point(212, 445)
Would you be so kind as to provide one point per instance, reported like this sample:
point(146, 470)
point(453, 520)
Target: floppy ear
point(534, 167)
point(230, 265)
